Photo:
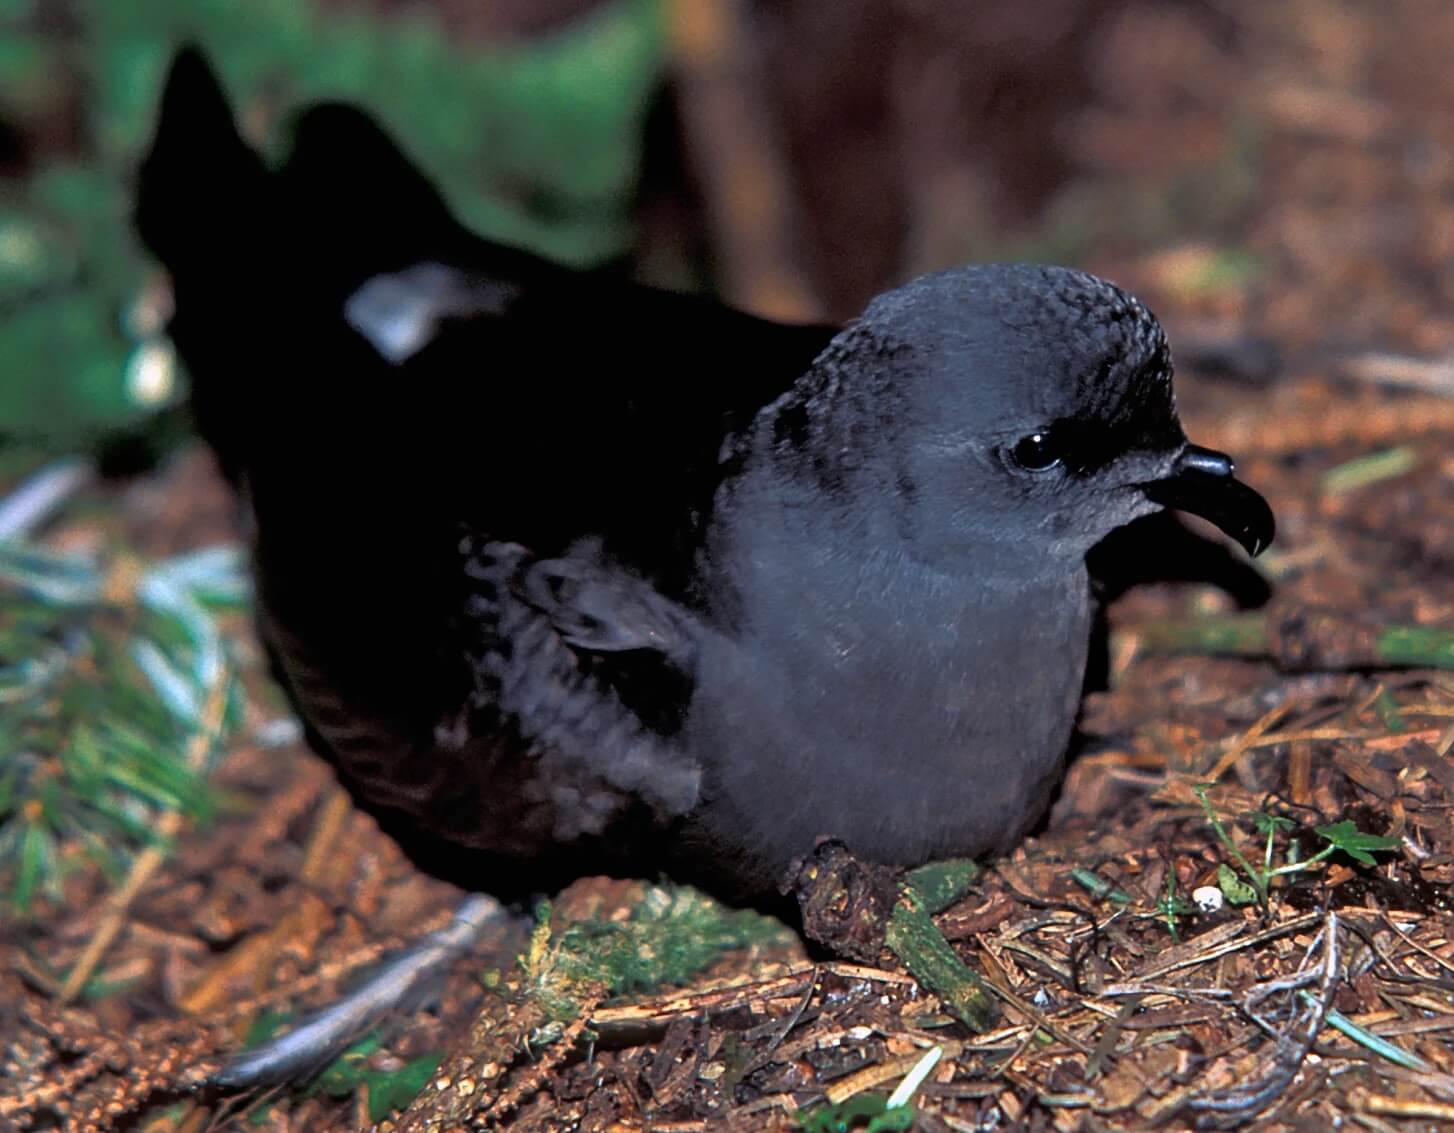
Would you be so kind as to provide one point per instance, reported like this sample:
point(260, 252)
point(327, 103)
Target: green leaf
point(867, 1112)
point(172, 688)
point(1355, 843)
point(388, 1090)
point(394, 1089)
point(1267, 823)
point(264, 1026)
point(1379, 1045)
point(1099, 887)
point(1237, 891)
point(35, 854)
point(1372, 469)
point(939, 885)
point(349, 1071)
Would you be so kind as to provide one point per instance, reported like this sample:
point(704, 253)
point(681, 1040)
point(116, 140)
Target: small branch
point(322, 1036)
point(1233, 1107)
point(1231, 635)
point(1428, 375)
point(730, 141)
point(913, 937)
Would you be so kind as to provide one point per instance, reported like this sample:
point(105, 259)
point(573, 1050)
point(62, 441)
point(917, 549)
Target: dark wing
point(334, 313)
point(400, 402)
point(545, 668)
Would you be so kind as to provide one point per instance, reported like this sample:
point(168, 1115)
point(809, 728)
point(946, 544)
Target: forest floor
point(1223, 740)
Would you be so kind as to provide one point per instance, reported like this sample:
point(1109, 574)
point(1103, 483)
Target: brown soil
point(1271, 172)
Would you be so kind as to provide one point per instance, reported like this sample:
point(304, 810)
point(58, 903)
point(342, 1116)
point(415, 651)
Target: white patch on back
point(399, 313)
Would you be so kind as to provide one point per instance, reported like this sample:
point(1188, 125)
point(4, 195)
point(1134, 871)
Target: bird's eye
point(1038, 452)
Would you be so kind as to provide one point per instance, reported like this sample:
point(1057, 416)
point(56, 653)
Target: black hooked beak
point(1201, 482)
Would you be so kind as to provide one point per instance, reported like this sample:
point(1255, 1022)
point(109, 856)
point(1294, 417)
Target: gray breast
point(912, 715)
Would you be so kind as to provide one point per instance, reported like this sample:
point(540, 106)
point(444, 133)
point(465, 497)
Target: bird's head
point(1018, 407)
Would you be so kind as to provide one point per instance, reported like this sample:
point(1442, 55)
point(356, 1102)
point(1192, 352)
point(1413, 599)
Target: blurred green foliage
point(866, 1112)
point(117, 690)
point(388, 1089)
point(535, 143)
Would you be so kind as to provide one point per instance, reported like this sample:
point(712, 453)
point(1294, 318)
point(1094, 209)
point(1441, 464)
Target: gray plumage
point(901, 617)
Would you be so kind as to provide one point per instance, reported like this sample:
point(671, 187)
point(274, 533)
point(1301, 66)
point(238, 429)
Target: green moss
point(668, 937)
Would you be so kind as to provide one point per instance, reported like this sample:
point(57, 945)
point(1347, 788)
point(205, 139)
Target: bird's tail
point(304, 414)
point(347, 177)
point(262, 259)
point(204, 208)
point(201, 190)
point(345, 188)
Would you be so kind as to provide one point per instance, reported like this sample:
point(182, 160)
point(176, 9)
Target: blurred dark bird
point(589, 576)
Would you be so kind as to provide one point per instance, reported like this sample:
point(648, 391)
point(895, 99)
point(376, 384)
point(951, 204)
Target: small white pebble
point(1208, 898)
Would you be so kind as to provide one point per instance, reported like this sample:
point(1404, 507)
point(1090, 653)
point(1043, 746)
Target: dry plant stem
point(1407, 1108)
point(1232, 1107)
point(146, 863)
point(792, 1020)
point(871, 1077)
point(331, 822)
point(1042, 1021)
point(1177, 959)
point(629, 1024)
point(1364, 424)
point(1427, 375)
point(1243, 743)
point(521, 1090)
point(747, 189)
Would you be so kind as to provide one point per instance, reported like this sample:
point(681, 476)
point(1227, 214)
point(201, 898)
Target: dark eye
point(1038, 452)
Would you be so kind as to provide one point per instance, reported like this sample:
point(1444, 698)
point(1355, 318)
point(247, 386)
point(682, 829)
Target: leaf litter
point(1318, 733)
